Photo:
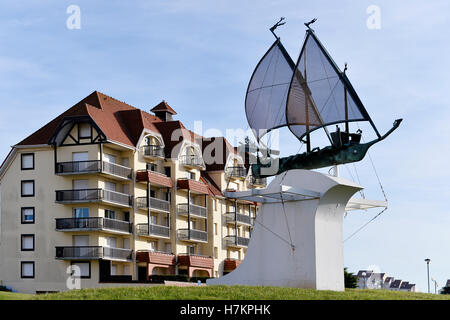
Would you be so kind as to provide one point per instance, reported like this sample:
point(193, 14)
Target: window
point(81, 212)
point(216, 253)
point(126, 216)
point(27, 161)
point(190, 175)
point(152, 167)
point(27, 188)
point(80, 156)
point(215, 201)
point(152, 246)
point(27, 215)
point(215, 229)
point(190, 249)
point(85, 269)
point(27, 242)
point(167, 171)
point(113, 269)
point(152, 194)
point(84, 131)
point(27, 269)
point(110, 214)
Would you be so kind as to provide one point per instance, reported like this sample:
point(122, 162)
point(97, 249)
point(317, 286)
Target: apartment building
point(122, 194)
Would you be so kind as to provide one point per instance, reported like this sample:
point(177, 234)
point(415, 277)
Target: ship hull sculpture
point(297, 235)
point(326, 157)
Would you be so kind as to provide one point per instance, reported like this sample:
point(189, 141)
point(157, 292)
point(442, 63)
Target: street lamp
point(364, 279)
point(428, 273)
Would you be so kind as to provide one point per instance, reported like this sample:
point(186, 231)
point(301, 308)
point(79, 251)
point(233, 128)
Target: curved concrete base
point(314, 227)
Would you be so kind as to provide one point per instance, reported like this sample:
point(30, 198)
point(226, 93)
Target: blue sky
point(199, 56)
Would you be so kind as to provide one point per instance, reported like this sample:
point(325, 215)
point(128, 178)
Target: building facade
point(123, 195)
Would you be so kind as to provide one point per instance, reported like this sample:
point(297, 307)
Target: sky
point(198, 55)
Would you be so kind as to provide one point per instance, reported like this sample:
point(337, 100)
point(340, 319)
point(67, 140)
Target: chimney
point(163, 111)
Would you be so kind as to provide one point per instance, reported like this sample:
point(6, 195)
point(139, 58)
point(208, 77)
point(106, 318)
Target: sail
point(265, 103)
point(319, 93)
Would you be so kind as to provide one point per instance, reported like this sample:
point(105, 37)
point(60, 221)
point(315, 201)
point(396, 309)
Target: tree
point(350, 280)
point(445, 290)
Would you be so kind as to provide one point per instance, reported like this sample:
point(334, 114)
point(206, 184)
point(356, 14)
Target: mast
point(308, 136)
point(347, 129)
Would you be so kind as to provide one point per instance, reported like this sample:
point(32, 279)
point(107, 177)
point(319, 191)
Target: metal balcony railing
point(92, 195)
point(191, 160)
point(192, 234)
point(153, 151)
point(239, 218)
point(93, 166)
point(258, 181)
point(237, 241)
point(154, 230)
point(117, 170)
point(155, 203)
point(93, 252)
point(237, 172)
point(195, 210)
point(93, 223)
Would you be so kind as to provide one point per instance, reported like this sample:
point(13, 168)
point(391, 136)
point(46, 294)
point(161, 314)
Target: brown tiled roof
point(214, 190)
point(154, 178)
point(167, 128)
point(214, 144)
point(163, 106)
point(119, 121)
point(196, 186)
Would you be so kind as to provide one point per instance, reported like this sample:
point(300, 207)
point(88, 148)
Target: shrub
point(3, 288)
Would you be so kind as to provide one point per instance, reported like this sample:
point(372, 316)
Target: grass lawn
point(14, 296)
point(227, 293)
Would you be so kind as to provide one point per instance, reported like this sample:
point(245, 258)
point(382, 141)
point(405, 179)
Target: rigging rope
point(382, 190)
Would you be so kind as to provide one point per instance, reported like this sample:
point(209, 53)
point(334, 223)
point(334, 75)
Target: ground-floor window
point(84, 268)
point(27, 269)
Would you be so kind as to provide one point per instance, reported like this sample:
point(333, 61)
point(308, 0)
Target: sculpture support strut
point(314, 214)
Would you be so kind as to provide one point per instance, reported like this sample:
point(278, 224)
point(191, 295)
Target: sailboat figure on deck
point(305, 97)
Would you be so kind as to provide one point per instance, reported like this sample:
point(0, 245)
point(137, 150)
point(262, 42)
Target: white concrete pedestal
point(314, 205)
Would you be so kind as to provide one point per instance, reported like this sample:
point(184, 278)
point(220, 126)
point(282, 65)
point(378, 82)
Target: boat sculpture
point(306, 96)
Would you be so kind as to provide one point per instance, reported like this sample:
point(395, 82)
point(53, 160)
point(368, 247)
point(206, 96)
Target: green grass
point(234, 293)
point(14, 296)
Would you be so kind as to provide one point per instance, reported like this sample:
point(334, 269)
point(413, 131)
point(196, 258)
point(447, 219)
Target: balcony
point(93, 224)
point(191, 161)
point(236, 172)
point(153, 151)
point(93, 166)
point(156, 257)
point(194, 210)
point(94, 195)
point(155, 204)
point(93, 253)
point(155, 230)
point(231, 264)
point(192, 235)
point(258, 182)
point(238, 218)
point(190, 260)
point(238, 242)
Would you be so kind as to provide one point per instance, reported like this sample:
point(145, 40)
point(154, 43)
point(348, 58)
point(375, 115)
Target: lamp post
point(428, 273)
point(364, 279)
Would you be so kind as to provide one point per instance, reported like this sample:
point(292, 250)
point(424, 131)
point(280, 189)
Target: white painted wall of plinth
point(314, 227)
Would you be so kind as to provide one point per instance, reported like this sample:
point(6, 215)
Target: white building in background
point(368, 279)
